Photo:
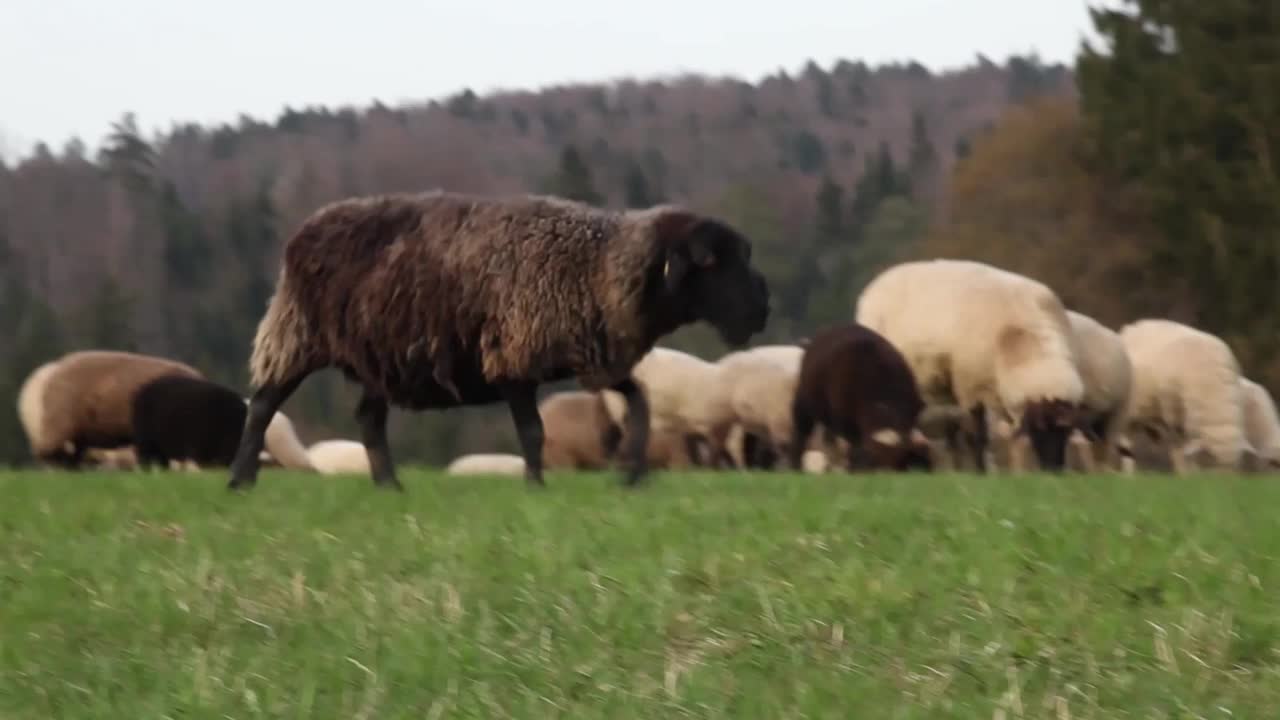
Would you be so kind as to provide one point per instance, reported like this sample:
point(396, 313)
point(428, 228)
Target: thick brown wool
point(472, 290)
point(87, 400)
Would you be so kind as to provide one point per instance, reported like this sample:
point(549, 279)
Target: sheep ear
point(673, 271)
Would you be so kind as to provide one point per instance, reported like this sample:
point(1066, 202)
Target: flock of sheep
point(440, 299)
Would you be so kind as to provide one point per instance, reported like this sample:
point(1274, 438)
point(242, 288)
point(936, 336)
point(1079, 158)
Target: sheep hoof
point(635, 479)
point(388, 484)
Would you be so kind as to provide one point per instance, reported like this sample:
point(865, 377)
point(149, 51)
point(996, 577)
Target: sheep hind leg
point(637, 432)
point(262, 408)
point(371, 415)
point(522, 399)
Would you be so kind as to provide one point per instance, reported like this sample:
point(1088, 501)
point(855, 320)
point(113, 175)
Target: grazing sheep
point(1261, 423)
point(684, 396)
point(755, 446)
point(1187, 394)
point(192, 419)
point(441, 299)
point(331, 457)
point(983, 339)
point(83, 400)
point(579, 434)
point(487, 464)
point(856, 383)
point(1107, 374)
point(761, 397)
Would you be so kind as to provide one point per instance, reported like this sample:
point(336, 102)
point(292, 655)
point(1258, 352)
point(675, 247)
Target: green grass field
point(730, 596)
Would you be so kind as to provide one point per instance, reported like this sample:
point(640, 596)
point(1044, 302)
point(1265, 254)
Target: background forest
point(1141, 181)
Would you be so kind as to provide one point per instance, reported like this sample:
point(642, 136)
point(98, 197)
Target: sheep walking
point(331, 457)
point(856, 383)
point(983, 339)
point(83, 401)
point(1187, 394)
point(440, 299)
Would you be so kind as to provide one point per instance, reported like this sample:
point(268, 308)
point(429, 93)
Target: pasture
point(729, 595)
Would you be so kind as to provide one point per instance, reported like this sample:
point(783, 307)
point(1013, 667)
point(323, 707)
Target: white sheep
point(1107, 373)
point(1187, 393)
point(685, 395)
point(332, 457)
point(487, 464)
point(1261, 422)
point(978, 336)
point(761, 384)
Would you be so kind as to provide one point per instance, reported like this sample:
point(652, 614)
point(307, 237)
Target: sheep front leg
point(637, 430)
point(371, 415)
point(522, 399)
point(262, 407)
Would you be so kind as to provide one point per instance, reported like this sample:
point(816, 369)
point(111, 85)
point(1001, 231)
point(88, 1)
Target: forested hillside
point(170, 244)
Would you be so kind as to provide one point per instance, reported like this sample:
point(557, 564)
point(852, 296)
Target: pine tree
point(830, 218)
point(126, 155)
point(636, 188)
point(105, 319)
point(573, 179)
point(922, 161)
point(1181, 103)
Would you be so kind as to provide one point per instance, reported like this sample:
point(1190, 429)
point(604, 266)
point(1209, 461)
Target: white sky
point(71, 67)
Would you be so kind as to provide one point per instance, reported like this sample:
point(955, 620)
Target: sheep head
point(707, 273)
point(1048, 423)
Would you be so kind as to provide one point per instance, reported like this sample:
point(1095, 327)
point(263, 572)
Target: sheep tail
point(279, 346)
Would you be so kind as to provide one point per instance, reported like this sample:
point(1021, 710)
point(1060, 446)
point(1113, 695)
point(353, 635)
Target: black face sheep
point(181, 418)
point(178, 418)
point(441, 299)
point(83, 400)
point(858, 385)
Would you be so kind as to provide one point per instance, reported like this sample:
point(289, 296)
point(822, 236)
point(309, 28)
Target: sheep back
point(331, 457)
point(183, 418)
point(487, 464)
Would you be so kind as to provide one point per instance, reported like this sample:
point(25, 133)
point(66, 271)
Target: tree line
point(1141, 181)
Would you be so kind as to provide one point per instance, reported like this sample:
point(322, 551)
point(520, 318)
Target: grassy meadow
point(702, 595)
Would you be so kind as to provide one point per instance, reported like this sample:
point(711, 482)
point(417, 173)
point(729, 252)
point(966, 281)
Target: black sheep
point(855, 383)
point(184, 418)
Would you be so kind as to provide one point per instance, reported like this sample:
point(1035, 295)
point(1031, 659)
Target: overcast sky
point(71, 67)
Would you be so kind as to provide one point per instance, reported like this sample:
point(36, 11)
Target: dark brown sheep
point(854, 382)
point(440, 299)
